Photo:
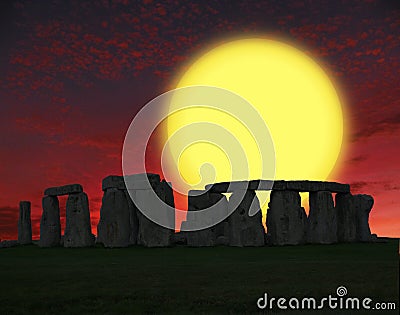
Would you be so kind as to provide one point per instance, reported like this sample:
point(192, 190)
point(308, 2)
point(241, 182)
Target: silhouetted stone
point(63, 190)
point(77, 227)
point(353, 215)
point(133, 220)
point(215, 207)
point(114, 228)
point(363, 205)
point(346, 218)
point(311, 186)
point(151, 234)
point(300, 186)
point(50, 227)
point(286, 219)
point(118, 182)
point(245, 230)
point(240, 185)
point(322, 220)
point(24, 223)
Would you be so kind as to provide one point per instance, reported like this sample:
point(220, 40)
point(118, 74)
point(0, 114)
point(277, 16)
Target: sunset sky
point(74, 74)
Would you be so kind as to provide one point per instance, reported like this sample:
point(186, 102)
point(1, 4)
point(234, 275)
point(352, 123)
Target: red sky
point(74, 75)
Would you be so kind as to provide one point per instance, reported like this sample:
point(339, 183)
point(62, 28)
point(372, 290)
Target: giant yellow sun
point(293, 95)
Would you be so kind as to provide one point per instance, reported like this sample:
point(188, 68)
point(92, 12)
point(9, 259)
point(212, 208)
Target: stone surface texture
point(50, 227)
point(77, 225)
point(363, 205)
point(296, 185)
point(286, 219)
point(24, 223)
point(245, 230)
point(114, 228)
point(322, 218)
point(63, 190)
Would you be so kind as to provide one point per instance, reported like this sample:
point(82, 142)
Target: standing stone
point(133, 220)
point(346, 218)
point(151, 234)
point(217, 208)
point(245, 230)
point(24, 223)
point(50, 227)
point(363, 205)
point(114, 228)
point(77, 227)
point(322, 220)
point(286, 219)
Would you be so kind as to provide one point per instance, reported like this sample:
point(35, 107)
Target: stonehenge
point(77, 228)
point(225, 213)
point(287, 222)
point(24, 223)
point(122, 223)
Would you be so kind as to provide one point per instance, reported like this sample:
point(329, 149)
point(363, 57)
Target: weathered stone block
point(286, 219)
point(204, 210)
point(322, 219)
point(363, 206)
point(50, 227)
point(114, 181)
point(24, 223)
point(114, 228)
point(245, 230)
point(63, 190)
point(151, 207)
point(300, 186)
point(78, 231)
point(346, 218)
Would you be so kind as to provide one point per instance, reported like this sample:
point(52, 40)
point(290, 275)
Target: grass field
point(183, 280)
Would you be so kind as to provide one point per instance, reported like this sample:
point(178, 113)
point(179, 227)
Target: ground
point(181, 280)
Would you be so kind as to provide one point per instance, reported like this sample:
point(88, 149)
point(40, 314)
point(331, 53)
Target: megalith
point(50, 227)
point(205, 224)
point(154, 202)
point(286, 219)
point(77, 227)
point(24, 223)
point(245, 230)
point(114, 228)
point(322, 219)
point(363, 205)
point(346, 218)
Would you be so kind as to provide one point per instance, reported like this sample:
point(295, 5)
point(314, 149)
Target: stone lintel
point(139, 180)
point(295, 185)
point(63, 190)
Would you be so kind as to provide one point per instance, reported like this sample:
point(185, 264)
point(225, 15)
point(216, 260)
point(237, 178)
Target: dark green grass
point(183, 280)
